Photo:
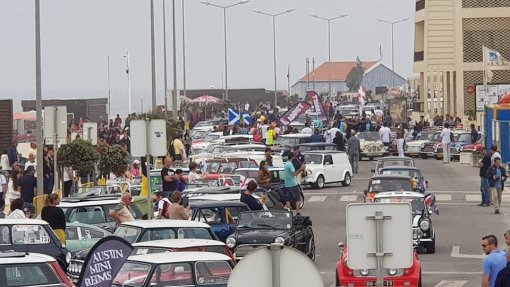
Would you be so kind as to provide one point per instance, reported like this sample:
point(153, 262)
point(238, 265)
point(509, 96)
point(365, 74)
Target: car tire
point(320, 182)
point(347, 180)
point(370, 158)
point(337, 280)
point(437, 157)
point(311, 249)
point(419, 280)
point(424, 156)
point(431, 247)
point(302, 196)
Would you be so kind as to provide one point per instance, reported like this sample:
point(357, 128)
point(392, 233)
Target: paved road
point(459, 227)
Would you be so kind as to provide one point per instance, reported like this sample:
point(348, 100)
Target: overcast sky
point(79, 35)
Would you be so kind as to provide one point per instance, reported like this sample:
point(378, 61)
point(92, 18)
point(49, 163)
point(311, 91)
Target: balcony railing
point(418, 56)
point(420, 5)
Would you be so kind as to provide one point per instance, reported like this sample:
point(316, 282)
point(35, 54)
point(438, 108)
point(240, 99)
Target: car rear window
point(29, 234)
point(40, 274)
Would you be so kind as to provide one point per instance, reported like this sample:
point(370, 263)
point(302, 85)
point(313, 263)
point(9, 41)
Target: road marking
point(444, 197)
point(456, 254)
point(348, 198)
point(505, 198)
point(446, 283)
point(473, 197)
point(317, 198)
point(451, 273)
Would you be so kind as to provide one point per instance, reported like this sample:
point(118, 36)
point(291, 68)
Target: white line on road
point(456, 254)
point(445, 283)
point(443, 197)
point(473, 197)
point(317, 198)
point(348, 198)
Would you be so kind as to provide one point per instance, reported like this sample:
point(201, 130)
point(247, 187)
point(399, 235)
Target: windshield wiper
point(245, 226)
point(267, 225)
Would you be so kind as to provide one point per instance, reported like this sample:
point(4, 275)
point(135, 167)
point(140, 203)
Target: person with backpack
point(163, 205)
point(176, 149)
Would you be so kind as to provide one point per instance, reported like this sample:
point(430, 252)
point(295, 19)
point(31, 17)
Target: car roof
point(24, 221)
point(323, 152)
point(192, 256)
point(400, 167)
point(395, 158)
point(387, 176)
point(399, 194)
point(179, 243)
point(22, 257)
point(164, 223)
point(88, 202)
point(217, 197)
point(271, 168)
point(317, 144)
point(220, 203)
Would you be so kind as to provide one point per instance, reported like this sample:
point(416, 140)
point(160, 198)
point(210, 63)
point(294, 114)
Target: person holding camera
point(496, 175)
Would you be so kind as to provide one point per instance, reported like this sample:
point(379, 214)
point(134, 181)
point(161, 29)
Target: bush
point(113, 159)
point(81, 155)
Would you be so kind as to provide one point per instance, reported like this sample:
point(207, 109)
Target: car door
point(328, 168)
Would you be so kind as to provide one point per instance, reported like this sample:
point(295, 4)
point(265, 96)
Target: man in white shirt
point(330, 134)
point(263, 130)
point(385, 133)
point(31, 161)
point(446, 135)
point(307, 130)
point(163, 205)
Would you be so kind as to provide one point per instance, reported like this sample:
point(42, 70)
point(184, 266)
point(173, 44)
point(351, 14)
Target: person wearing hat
point(135, 170)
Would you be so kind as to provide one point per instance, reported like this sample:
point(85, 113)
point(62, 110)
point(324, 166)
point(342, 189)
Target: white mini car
point(324, 167)
point(371, 145)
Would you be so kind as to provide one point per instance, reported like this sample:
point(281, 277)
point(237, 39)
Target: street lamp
point(273, 16)
point(225, 35)
point(329, 44)
point(392, 49)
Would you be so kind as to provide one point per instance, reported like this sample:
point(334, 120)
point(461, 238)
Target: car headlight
point(461, 148)
point(424, 225)
point(231, 242)
point(392, 271)
point(308, 172)
point(279, 240)
point(68, 257)
point(364, 272)
point(422, 146)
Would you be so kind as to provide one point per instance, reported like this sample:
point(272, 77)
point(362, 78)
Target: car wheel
point(347, 180)
point(302, 198)
point(431, 247)
point(320, 182)
point(337, 280)
point(311, 249)
point(424, 156)
point(419, 280)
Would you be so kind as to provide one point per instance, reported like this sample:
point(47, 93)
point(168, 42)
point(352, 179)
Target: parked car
point(323, 167)
point(392, 161)
point(180, 269)
point(387, 182)
point(94, 210)
point(285, 143)
point(414, 148)
point(423, 232)
point(427, 148)
point(258, 229)
point(464, 144)
point(33, 236)
point(371, 145)
point(419, 182)
point(181, 245)
point(462, 138)
point(220, 215)
point(31, 269)
point(346, 276)
point(81, 236)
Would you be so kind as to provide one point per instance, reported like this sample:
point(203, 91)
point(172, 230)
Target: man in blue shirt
point(494, 262)
point(291, 184)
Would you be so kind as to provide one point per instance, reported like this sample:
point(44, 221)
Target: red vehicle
point(346, 276)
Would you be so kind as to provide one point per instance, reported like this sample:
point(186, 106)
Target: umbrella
point(205, 99)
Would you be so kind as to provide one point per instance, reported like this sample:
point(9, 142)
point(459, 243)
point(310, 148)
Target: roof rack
point(11, 254)
point(91, 198)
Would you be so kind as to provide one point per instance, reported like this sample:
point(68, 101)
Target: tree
point(355, 77)
point(113, 159)
point(81, 155)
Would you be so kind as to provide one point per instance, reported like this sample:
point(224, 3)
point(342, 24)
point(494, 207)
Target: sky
point(79, 35)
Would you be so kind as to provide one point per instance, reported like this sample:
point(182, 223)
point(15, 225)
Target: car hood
point(417, 143)
point(259, 236)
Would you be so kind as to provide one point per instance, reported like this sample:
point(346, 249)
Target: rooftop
point(339, 71)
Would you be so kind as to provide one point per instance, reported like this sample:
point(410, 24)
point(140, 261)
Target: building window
point(420, 5)
point(485, 3)
point(418, 56)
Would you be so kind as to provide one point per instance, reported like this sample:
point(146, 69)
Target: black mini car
point(258, 229)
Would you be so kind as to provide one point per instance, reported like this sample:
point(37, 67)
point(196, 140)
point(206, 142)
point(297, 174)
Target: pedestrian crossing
point(358, 198)
point(451, 283)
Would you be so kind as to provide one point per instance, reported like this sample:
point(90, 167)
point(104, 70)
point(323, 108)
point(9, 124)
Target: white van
point(324, 167)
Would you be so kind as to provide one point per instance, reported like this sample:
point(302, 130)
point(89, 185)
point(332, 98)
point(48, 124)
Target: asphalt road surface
point(459, 227)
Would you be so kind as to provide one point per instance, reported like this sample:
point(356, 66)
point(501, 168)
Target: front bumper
point(413, 150)
point(372, 153)
point(74, 270)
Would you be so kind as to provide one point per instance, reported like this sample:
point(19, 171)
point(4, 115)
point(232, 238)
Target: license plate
point(373, 283)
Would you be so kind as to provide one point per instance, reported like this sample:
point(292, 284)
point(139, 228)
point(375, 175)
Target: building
point(449, 35)
point(253, 97)
point(376, 75)
point(92, 109)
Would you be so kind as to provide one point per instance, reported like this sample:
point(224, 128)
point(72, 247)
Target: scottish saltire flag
point(235, 117)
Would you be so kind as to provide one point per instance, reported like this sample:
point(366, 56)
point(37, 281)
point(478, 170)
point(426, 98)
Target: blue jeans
point(484, 188)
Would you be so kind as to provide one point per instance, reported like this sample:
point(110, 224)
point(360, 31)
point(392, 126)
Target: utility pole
point(153, 59)
point(38, 101)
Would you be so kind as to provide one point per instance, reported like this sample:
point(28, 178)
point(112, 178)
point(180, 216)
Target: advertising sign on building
point(494, 93)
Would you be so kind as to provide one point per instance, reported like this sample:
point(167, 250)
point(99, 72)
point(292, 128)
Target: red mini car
point(348, 277)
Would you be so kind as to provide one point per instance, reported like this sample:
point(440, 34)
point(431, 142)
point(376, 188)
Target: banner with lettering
point(293, 113)
point(104, 261)
point(315, 100)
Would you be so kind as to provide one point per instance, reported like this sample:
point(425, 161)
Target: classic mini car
point(181, 245)
point(81, 236)
point(371, 145)
point(180, 269)
point(31, 269)
point(284, 143)
point(387, 182)
point(346, 276)
point(258, 229)
point(392, 161)
point(427, 148)
point(324, 167)
point(148, 230)
point(462, 138)
point(220, 215)
point(419, 182)
point(423, 232)
point(464, 144)
point(32, 235)
point(414, 148)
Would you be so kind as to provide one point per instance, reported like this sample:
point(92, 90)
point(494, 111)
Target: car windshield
point(426, 136)
point(407, 172)
point(288, 142)
point(132, 274)
point(130, 234)
point(211, 137)
point(41, 274)
point(208, 273)
point(417, 203)
point(247, 173)
point(394, 162)
point(175, 233)
point(313, 158)
point(463, 138)
point(436, 137)
point(265, 220)
point(198, 134)
point(390, 184)
point(369, 136)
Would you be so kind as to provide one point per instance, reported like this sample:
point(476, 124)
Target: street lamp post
point(329, 44)
point(273, 16)
point(392, 49)
point(225, 36)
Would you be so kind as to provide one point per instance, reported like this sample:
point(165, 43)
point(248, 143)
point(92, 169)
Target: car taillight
point(61, 274)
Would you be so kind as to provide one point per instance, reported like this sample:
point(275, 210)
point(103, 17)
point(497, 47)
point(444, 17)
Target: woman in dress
point(13, 188)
